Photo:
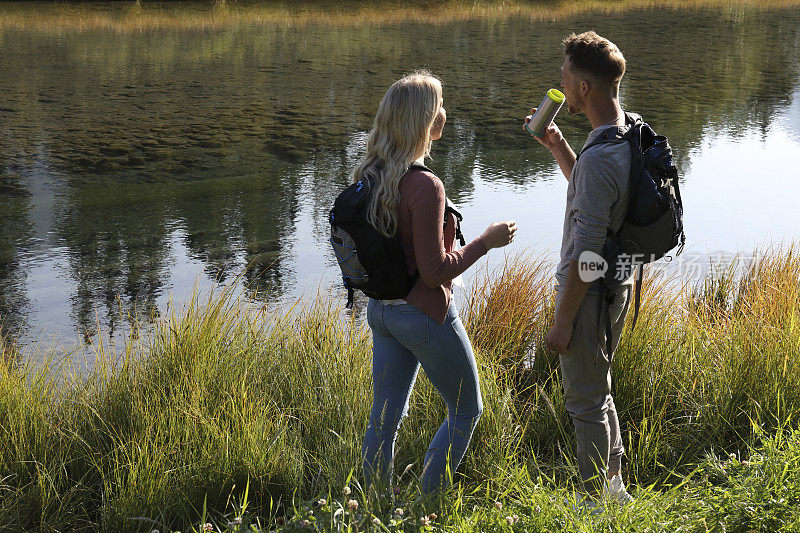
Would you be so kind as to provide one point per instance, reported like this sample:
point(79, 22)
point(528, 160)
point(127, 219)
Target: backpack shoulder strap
point(639, 278)
point(417, 166)
point(449, 207)
point(632, 118)
point(610, 136)
point(607, 300)
point(616, 135)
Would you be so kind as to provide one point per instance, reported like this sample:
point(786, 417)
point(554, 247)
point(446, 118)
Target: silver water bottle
point(545, 113)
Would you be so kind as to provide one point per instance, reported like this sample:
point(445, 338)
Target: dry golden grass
point(134, 17)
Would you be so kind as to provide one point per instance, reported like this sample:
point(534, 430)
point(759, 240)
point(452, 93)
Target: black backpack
point(653, 224)
point(370, 262)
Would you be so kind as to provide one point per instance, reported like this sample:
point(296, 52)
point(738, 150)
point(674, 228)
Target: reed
point(228, 410)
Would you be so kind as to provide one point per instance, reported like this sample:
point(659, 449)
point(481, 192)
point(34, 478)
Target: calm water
point(137, 161)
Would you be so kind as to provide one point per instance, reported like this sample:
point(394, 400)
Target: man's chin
point(572, 110)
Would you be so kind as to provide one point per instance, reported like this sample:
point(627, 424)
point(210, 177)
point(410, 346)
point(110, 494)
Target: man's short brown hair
point(595, 56)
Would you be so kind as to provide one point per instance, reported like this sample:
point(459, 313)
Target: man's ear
point(586, 86)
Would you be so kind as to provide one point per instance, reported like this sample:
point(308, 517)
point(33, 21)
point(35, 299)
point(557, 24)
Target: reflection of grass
point(222, 397)
point(135, 17)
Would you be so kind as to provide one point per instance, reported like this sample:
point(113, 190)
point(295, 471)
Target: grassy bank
point(223, 402)
point(134, 16)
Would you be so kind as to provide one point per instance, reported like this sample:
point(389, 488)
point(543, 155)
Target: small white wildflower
point(512, 520)
point(424, 521)
point(305, 523)
point(321, 502)
point(376, 521)
point(208, 527)
point(499, 506)
point(399, 511)
point(352, 505)
point(346, 490)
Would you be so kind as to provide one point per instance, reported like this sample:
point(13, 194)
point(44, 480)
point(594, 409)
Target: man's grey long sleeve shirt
point(597, 199)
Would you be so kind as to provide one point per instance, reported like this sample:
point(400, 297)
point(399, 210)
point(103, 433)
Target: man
point(597, 199)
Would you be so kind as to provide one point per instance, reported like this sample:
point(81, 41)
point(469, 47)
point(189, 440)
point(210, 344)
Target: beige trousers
point(586, 375)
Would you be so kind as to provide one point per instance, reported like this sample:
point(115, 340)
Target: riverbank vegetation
point(226, 413)
point(138, 16)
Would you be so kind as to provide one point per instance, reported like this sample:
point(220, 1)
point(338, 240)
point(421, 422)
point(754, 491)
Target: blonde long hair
point(400, 135)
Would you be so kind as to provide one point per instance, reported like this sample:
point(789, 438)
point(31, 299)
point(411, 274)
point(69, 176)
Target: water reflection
point(125, 156)
point(14, 237)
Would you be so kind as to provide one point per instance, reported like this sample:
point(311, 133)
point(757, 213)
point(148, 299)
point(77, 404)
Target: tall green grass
point(222, 398)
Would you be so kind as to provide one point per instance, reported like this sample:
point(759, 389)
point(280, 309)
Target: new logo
point(591, 266)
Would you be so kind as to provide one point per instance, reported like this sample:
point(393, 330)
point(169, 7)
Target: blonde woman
point(424, 328)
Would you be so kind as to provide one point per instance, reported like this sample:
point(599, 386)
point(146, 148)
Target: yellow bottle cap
point(556, 96)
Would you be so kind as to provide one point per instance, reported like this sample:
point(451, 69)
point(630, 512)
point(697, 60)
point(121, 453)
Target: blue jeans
point(403, 338)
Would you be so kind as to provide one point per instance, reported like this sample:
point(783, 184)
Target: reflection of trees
point(15, 232)
point(723, 73)
point(218, 132)
point(243, 221)
point(117, 243)
point(174, 104)
point(268, 222)
point(118, 236)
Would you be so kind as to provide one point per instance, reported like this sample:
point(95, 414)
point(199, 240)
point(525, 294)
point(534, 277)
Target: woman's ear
point(437, 126)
